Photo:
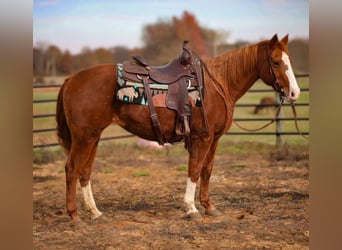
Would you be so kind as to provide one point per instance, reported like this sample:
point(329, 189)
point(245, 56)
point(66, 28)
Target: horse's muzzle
point(293, 95)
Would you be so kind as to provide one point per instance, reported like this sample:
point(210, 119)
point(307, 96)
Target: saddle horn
point(185, 56)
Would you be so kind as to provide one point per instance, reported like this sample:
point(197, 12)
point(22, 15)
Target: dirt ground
point(263, 195)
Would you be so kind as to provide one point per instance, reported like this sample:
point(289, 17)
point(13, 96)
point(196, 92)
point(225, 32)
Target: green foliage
point(182, 168)
point(107, 170)
point(238, 167)
point(43, 155)
point(141, 173)
point(227, 145)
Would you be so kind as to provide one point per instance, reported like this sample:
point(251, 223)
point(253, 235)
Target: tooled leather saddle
point(180, 74)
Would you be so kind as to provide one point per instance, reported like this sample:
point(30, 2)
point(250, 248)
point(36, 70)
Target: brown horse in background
point(87, 105)
point(265, 103)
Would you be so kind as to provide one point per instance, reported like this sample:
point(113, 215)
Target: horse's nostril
point(292, 94)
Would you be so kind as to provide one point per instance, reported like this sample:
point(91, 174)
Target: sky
point(75, 24)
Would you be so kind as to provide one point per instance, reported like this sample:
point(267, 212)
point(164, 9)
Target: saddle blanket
point(134, 92)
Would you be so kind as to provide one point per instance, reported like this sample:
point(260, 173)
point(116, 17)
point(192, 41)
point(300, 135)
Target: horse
point(87, 104)
point(266, 103)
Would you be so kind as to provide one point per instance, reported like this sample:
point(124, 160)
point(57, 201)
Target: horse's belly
point(136, 119)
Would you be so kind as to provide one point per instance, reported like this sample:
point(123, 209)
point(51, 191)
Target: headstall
point(277, 86)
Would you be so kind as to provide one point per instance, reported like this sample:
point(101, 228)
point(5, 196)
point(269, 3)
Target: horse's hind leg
point(82, 152)
point(86, 186)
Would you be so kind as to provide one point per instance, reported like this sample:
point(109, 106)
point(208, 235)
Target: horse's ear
point(285, 39)
point(273, 41)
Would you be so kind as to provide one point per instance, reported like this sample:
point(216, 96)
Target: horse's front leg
point(198, 154)
point(205, 177)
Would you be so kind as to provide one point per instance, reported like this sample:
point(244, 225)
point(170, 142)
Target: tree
point(163, 40)
point(299, 50)
point(38, 62)
point(103, 56)
point(214, 39)
point(85, 59)
point(187, 28)
point(120, 53)
point(66, 66)
point(160, 42)
point(53, 57)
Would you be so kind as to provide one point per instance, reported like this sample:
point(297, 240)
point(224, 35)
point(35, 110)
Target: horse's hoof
point(214, 213)
point(77, 223)
point(193, 217)
point(99, 219)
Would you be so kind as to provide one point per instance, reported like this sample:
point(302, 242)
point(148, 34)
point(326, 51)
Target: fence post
point(279, 127)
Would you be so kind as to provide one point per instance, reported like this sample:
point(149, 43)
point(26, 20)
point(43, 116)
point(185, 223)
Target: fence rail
point(278, 132)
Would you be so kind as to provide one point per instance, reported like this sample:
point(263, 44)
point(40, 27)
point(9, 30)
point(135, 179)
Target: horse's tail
point(63, 130)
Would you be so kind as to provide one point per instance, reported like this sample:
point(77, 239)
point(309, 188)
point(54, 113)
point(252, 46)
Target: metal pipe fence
point(278, 131)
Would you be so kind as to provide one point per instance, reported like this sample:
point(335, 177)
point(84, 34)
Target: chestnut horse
point(265, 103)
point(87, 105)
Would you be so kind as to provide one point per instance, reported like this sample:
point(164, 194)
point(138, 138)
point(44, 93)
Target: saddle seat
point(166, 74)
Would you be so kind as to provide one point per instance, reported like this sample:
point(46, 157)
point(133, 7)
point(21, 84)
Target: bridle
point(276, 85)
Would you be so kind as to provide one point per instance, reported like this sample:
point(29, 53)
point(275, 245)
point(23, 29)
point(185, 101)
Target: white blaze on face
point(294, 90)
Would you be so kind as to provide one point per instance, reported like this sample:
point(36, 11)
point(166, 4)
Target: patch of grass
point(177, 150)
point(182, 168)
point(141, 173)
point(107, 170)
point(238, 167)
point(227, 146)
point(42, 156)
point(290, 153)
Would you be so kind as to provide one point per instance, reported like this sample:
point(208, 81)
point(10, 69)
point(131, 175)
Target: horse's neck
point(240, 87)
point(237, 70)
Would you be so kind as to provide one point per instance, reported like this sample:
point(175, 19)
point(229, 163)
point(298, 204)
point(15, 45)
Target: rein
point(217, 86)
point(266, 125)
point(275, 119)
point(296, 122)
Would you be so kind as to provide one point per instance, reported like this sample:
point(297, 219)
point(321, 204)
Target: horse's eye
point(276, 64)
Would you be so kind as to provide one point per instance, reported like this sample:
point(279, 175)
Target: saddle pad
point(131, 92)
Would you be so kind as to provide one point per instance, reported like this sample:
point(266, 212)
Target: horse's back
point(88, 96)
point(97, 76)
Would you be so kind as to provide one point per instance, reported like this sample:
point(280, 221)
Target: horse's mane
point(234, 64)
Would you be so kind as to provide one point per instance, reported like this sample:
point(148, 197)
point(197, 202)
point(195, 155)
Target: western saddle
point(180, 74)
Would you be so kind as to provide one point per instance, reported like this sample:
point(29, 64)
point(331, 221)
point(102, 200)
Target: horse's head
point(278, 73)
